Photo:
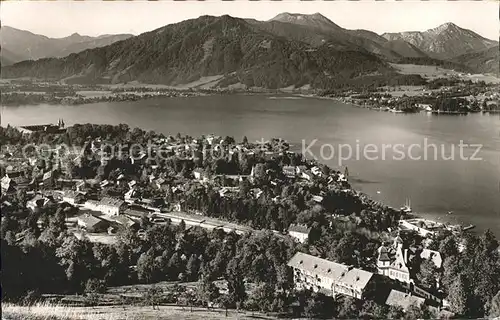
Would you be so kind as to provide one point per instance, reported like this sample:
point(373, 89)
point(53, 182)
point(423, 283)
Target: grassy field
point(125, 303)
point(47, 311)
point(433, 72)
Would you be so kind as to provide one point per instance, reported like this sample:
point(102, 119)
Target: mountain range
point(444, 42)
point(18, 45)
point(290, 49)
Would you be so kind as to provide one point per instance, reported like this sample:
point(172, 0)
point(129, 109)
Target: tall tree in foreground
point(153, 297)
point(207, 291)
point(235, 284)
point(459, 296)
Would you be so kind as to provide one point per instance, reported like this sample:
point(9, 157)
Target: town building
point(137, 213)
point(307, 175)
point(38, 202)
point(73, 197)
point(47, 178)
point(403, 300)
point(393, 262)
point(15, 178)
point(161, 183)
point(301, 168)
point(109, 206)
point(330, 278)
point(8, 184)
point(317, 198)
point(130, 196)
point(104, 183)
point(316, 171)
point(81, 186)
point(290, 171)
point(125, 221)
point(92, 223)
point(400, 263)
point(299, 232)
point(199, 174)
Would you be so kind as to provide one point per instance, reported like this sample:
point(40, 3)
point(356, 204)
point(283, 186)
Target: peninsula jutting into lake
point(242, 160)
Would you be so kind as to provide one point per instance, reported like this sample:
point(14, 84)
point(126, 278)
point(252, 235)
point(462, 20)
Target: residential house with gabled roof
point(329, 277)
point(299, 232)
point(92, 223)
point(72, 197)
point(124, 221)
point(404, 300)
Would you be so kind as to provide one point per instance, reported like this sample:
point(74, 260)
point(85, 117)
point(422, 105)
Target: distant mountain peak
point(288, 15)
point(445, 27)
point(75, 37)
point(25, 45)
point(319, 16)
point(316, 20)
point(449, 24)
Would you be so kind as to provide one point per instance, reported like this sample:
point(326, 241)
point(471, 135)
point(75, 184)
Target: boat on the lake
point(407, 207)
point(469, 227)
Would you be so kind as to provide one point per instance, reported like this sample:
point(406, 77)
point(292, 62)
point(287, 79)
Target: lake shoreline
point(141, 93)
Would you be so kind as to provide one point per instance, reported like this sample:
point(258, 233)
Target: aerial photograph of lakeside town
point(250, 160)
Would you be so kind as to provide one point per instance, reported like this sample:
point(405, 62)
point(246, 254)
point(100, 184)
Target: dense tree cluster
point(470, 276)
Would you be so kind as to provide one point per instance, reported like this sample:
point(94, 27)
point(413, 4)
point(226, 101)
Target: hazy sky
point(90, 17)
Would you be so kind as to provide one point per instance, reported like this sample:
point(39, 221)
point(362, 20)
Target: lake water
point(471, 189)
